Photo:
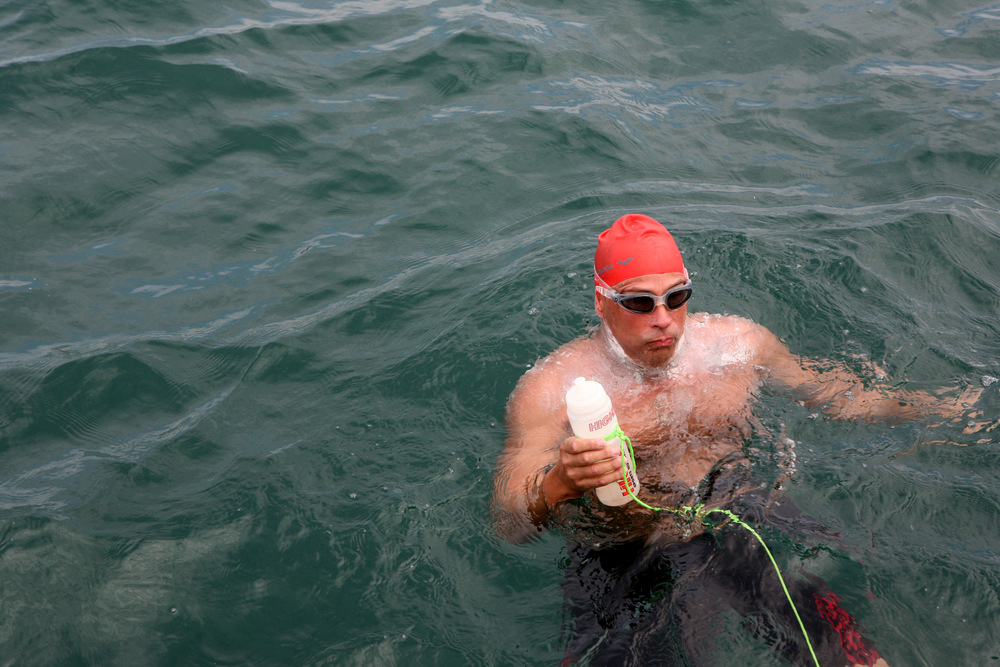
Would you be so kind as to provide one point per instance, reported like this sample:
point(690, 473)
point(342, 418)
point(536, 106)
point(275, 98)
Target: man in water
point(643, 585)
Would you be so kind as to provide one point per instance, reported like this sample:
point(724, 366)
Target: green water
point(269, 271)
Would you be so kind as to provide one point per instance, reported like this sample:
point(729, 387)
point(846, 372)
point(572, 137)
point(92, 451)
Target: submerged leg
point(681, 604)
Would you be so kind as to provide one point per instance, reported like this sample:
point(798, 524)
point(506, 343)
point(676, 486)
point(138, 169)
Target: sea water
point(269, 271)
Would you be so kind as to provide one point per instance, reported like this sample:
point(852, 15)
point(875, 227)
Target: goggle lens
point(645, 303)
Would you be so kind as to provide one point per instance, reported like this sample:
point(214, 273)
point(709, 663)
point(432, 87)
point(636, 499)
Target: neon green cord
point(699, 512)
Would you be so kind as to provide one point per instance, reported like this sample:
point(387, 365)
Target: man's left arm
point(842, 394)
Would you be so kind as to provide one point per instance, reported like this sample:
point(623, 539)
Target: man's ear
point(599, 305)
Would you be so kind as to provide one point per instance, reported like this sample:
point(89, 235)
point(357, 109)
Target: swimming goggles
point(644, 302)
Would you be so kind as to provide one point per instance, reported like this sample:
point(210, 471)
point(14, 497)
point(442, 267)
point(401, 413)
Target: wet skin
point(683, 387)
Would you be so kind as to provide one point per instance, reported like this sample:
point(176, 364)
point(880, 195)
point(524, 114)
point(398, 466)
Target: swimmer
point(683, 386)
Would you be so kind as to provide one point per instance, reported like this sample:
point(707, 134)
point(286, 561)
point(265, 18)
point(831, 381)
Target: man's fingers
point(589, 453)
point(581, 445)
point(588, 475)
point(601, 456)
point(587, 463)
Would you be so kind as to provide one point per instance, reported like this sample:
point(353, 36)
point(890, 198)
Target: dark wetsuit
point(630, 604)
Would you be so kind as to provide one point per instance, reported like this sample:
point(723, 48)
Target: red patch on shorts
point(856, 647)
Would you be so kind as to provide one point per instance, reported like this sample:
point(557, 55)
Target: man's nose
point(661, 316)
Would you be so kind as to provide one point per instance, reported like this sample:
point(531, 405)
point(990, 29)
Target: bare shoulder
point(755, 340)
point(540, 393)
point(726, 324)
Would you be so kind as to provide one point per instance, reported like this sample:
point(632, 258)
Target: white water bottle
point(592, 416)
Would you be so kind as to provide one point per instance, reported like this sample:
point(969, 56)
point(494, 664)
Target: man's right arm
point(542, 465)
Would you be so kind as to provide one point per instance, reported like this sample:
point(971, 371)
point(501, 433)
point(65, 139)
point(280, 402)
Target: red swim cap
point(636, 245)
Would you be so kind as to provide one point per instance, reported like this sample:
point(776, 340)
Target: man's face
point(648, 339)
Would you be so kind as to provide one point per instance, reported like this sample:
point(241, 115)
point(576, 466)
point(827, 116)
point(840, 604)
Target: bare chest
point(681, 428)
point(688, 403)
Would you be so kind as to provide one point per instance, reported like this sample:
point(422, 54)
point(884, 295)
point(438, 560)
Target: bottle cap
point(585, 397)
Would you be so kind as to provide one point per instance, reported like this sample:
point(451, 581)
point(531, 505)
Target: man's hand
point(584, 463)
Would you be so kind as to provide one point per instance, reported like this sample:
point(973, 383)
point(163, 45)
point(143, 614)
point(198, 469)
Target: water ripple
point(289, 14)
point(944, 73)
point(645, 99)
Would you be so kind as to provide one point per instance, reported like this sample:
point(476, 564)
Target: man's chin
point(655, 357)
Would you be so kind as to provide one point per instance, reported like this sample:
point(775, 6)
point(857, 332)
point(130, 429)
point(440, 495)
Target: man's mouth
point(666, 341)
